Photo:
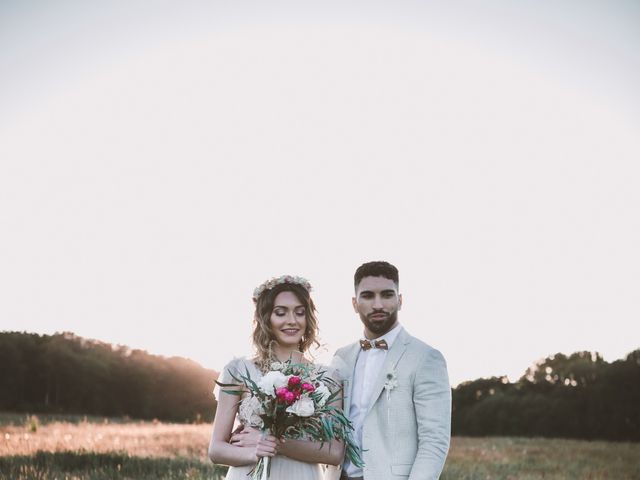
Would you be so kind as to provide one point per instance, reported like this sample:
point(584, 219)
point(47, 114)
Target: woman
point(285, 326)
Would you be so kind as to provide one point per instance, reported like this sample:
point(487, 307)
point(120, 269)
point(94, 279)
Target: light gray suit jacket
point(407, 429)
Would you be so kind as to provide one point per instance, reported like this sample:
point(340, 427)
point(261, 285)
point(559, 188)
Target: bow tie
point(381, 344)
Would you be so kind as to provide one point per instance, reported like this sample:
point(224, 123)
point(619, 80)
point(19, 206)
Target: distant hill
point(64, 373)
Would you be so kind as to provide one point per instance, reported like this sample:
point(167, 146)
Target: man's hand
point(245, 437)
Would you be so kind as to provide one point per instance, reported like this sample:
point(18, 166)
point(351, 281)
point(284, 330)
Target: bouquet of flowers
point(294, 400)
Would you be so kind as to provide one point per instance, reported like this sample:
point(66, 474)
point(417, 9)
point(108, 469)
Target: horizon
point(218, 370)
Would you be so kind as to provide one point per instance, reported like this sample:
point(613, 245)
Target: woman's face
point(288, 319)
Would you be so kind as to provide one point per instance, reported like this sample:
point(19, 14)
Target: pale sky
point(158, 160)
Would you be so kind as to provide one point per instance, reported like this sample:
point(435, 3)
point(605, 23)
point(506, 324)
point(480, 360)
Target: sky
point(159, 160)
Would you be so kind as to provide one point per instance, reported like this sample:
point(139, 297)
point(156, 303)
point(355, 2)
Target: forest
point(577, 396)
point(64, 373)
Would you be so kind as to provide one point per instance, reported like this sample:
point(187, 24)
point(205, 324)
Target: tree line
point(575, 396)
point(64, 373)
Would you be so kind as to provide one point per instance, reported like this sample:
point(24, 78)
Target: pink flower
point(281, 393)
point(294, 381)
point(290, 397)
point(307, 387)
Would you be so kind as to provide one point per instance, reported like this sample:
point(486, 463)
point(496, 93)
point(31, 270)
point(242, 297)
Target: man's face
point(377, 301)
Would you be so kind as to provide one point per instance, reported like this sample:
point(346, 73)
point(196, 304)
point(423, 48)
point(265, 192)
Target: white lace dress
point(282, 468)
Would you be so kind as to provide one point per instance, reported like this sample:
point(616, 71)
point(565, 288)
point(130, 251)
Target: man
point(397, 391)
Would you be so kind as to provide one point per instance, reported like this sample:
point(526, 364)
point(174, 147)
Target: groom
point(397, 391)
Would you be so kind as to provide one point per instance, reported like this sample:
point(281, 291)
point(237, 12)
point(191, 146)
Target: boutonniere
point(391, 383)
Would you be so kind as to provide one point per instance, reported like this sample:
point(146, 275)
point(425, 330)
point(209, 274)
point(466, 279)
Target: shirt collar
point(390, 336)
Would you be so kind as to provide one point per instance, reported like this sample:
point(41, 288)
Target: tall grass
point(17, 419)
point(541, 458)
point(104, 466)
point(144, 439)
point(151, 450)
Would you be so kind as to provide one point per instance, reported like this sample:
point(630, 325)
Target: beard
point(380, 327)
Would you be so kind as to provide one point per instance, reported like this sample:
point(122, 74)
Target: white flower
point(250, 410)
point(392, 381)
point(303, 407)
point(271, 381)
point(324, 392)
point(277, 365)
point(390, 384)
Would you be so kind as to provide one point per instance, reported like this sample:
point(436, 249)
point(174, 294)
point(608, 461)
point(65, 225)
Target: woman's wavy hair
point(263, 336)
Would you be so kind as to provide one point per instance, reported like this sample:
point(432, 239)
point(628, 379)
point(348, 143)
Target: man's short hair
point(376, 269)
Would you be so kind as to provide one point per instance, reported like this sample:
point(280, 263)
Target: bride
point(285, 326)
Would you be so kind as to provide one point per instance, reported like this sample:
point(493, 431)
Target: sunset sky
point(158, 160)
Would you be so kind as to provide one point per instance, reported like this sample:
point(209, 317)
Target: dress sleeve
point(337, 380)
point(338, 368)
point(232, 369)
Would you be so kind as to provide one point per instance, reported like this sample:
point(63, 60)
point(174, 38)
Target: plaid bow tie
point(381, 344)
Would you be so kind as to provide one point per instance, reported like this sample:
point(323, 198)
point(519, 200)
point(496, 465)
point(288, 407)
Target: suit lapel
point(393, 357)
point(350, 362)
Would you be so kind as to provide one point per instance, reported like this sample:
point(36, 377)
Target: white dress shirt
point(367, 369)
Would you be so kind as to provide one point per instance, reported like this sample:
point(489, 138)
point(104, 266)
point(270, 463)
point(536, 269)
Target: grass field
point(100, 449)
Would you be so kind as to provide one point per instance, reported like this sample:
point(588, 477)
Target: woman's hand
point(267, 446)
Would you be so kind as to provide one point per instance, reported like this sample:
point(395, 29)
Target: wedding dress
point(282, 468)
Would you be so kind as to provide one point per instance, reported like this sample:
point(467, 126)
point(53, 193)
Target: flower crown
point(269, 284)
